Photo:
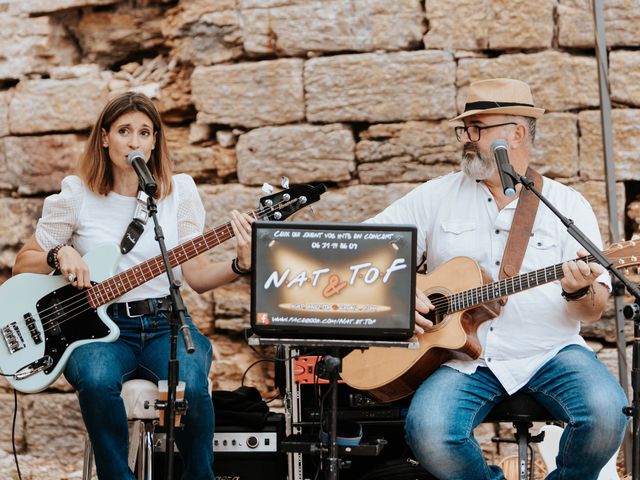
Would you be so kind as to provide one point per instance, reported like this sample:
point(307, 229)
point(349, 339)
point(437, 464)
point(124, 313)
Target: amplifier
point(237, 442)
point(233, 441)
point(240, 452)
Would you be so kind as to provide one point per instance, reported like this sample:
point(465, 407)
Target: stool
point(139, 398)
point(521, 409)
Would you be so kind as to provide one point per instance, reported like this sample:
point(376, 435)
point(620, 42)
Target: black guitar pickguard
point(66, 318)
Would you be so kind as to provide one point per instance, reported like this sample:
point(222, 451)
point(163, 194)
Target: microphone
point(147, 182)
point(499, 148)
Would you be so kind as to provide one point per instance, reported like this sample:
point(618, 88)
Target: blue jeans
point(574, 386)
point(98, 370)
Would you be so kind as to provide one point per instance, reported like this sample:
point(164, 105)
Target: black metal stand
point(332, 367)
point(631, 312)
point(178, 323)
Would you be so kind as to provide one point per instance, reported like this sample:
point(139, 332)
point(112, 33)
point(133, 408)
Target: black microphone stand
point(631, 312)
point(176, 318)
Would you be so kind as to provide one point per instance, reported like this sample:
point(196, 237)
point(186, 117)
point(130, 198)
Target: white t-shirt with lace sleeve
point(83, 219)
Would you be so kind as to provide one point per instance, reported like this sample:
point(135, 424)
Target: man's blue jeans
point(97, 371)
point(574, 386)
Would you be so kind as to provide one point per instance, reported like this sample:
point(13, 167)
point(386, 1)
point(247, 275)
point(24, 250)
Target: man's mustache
point(470, 146)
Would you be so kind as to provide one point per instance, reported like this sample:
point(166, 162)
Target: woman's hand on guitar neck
point(241, 225)
point(423, 307)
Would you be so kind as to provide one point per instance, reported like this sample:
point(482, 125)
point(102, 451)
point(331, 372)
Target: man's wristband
point(577, 295)
point(235, 266)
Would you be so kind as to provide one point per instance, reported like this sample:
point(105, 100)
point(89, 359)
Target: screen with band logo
point(333, 280)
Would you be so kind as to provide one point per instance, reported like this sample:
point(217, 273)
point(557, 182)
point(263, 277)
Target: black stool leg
point(522, 437)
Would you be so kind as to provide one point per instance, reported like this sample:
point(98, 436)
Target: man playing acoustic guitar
point(534, 344)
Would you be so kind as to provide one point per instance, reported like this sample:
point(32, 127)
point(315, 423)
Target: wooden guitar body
point(469, 299)
point(388, 374)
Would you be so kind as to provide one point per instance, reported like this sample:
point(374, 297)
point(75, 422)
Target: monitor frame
point(394, 323)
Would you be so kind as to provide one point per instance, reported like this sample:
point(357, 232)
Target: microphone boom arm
point(579, 235)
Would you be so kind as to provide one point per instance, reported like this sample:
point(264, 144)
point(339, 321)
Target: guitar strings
point(449, 304)
point(74, 305)
point(478, 295)
point(146, 268)
point(442, 305)
point(461, 300)
point(77, 304)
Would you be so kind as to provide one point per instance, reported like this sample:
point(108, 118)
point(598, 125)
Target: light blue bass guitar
point(44, 318)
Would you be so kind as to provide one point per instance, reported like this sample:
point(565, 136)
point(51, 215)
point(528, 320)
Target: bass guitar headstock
point(281, 205)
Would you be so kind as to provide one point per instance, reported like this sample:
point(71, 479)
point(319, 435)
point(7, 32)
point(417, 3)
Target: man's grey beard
point(476, 166)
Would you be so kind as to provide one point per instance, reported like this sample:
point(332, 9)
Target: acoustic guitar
point(388, 374)
point(44, 318)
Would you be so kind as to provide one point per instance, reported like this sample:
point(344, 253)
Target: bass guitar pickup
point(33, 328)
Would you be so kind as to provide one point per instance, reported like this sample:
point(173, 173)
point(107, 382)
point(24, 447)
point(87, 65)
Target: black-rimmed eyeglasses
point(473, 131)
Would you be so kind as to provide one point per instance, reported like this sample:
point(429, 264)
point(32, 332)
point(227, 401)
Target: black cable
point(13, 431)
point(262, 355)
point(251, 366)
point(317, 465)
point(261, 360)
point(269, 358)
point(275, 397)
point(323, 399)
point(318, 400)
point(317, 397)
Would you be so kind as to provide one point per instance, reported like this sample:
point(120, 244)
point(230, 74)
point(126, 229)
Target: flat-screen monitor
point(330, 280)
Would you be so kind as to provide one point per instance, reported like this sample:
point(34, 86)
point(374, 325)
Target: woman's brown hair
point(95, 167)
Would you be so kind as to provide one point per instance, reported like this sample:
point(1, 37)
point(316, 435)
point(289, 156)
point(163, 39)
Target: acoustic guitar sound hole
point(441, 303)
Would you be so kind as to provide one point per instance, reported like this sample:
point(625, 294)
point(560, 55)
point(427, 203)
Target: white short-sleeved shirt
point(457, 216)
point(83, 219)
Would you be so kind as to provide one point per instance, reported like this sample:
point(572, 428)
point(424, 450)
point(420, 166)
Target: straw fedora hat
point(500, 95)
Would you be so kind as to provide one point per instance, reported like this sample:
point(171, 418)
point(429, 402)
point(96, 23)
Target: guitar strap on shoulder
point(136, 227)
point(521, 228)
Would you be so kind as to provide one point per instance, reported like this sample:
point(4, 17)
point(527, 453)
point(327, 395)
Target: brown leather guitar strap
point(521, 228)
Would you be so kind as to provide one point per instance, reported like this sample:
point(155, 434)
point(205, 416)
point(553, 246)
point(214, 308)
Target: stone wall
point(355, 93)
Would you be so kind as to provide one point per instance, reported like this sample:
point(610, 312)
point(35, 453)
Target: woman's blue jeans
point(98, 370)
point(574, 386)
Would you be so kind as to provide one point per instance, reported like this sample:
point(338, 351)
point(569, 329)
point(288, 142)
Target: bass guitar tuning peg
point(284, 181)
point(267, 188)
